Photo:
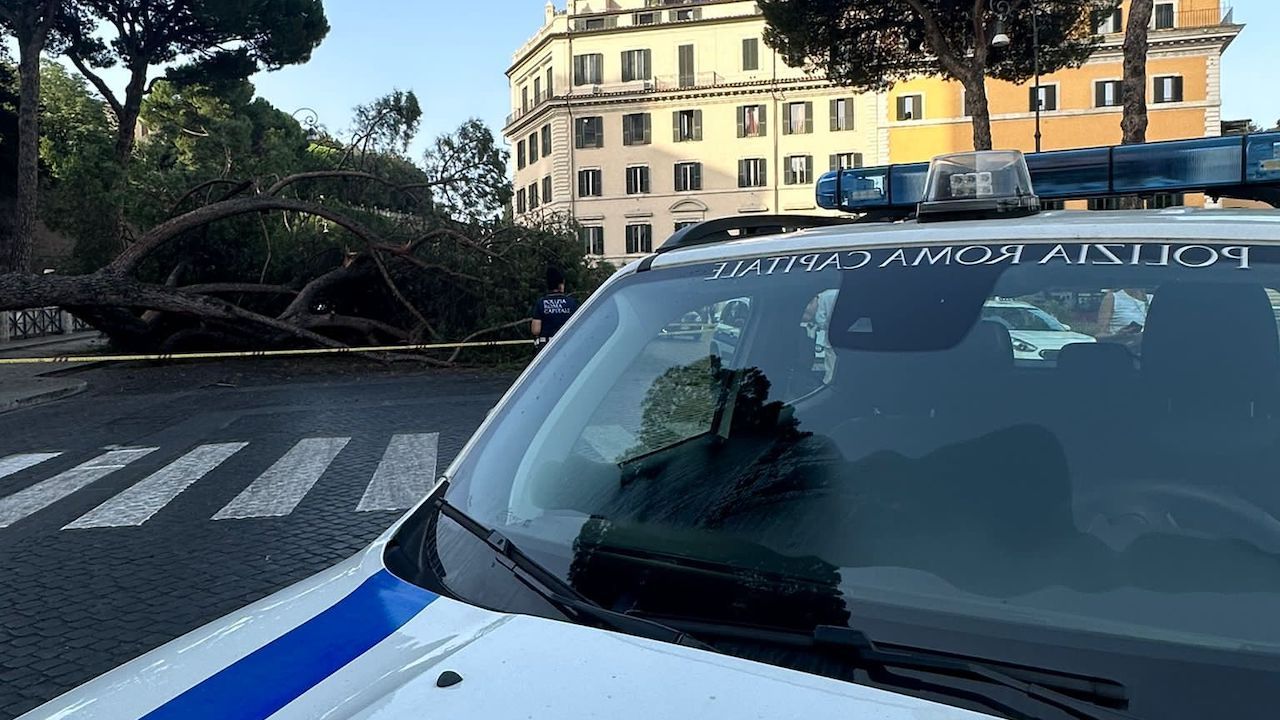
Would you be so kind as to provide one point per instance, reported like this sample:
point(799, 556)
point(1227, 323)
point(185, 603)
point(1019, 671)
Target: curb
point(44, 396)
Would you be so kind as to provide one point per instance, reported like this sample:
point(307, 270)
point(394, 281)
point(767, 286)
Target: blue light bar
point(1233, 162)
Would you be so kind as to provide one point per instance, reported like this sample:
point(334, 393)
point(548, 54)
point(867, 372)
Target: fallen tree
point(420, 277)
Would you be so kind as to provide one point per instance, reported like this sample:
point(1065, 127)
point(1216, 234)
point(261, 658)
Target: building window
point(546, 189)
point(524, 98)
point(638, 180)
point(521, 203)
point(533, 148)
point(753, 173)
point(1112, 22)
point(799, 170)
point(1044, 95)
point(844, 161)
point(546, 140)
point(1106, 93)
point(592, 239)
point(686, 125)
point(682, 224)
point(910, 107)
point(686, 15)
point(646, 18)
point(588, 69)
point(751, 54)
point(1162, 16)
point(636, 65)
point(533, 197)
point(841, 114)
point(520, 156)
point(684, 56)
point(537, 90)
point(588, 132)
point(550, 83)
point(639, 239)
point(797, 118)
point(636, 129)
point(752, 121)
point(1168, 88)
point(688, 176)
point(596, 23)
point(590, 183)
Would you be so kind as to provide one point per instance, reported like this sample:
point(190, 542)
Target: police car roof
point(1169, 225)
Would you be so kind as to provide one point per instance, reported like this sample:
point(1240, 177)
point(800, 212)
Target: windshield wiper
point(559, 593)
point(1078, 697)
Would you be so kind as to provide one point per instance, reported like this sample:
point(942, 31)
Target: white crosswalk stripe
point(279, 490)
point(18, 463)
point(137, 504)
point(43, 494)
point(404, 476)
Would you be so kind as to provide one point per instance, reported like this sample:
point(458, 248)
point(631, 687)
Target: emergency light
point(1245, 166)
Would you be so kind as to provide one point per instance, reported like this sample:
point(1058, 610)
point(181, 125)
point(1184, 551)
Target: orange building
point(1080, 106)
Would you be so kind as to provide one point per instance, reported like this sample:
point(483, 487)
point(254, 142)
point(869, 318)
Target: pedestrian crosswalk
point(404, 475)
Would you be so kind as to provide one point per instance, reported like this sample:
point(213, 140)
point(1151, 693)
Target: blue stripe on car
point(277, 673)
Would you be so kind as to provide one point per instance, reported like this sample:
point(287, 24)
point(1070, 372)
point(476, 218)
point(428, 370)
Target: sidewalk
point(28, 385)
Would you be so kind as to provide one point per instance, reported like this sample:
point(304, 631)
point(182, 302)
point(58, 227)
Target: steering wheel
point(1118, 515)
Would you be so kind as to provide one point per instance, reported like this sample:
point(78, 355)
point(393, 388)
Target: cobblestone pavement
point(122, 519)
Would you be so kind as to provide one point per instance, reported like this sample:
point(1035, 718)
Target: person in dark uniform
point(552, 310)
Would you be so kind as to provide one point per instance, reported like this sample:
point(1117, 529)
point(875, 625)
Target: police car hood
point(357, 642)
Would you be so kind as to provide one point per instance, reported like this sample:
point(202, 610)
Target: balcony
point(1203, 18)
point(538, 101)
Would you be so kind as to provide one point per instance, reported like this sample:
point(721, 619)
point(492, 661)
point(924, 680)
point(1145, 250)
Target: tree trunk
point(17, 257)
point(975, 104)
point(130, 110)
point(1133, 91)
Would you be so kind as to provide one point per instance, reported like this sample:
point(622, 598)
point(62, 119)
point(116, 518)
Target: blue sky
point(454, 55)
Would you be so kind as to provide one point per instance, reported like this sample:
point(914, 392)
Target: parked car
point(1036, 334)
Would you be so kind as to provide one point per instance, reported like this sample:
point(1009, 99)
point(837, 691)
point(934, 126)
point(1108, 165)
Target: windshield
point(855, 428)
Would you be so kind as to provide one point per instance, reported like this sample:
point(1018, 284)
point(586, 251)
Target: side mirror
point(1066, 326)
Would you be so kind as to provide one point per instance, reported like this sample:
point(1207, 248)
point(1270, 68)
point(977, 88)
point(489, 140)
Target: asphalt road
point(166, 497)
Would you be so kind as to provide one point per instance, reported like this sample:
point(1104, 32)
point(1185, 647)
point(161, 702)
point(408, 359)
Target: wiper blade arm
point(560, 594)
point(1095, 708)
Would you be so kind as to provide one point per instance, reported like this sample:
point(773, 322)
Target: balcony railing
point(537, 101)
point(1205, 17)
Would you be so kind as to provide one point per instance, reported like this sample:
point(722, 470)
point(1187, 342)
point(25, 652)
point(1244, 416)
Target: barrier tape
point(213, 355)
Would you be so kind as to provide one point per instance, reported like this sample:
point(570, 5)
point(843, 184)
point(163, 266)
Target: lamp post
point(1000, 39)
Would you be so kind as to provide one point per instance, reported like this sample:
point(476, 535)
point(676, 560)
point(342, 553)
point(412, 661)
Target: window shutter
point(1177, 89)
point(786, 118)
point(1033, 98)
point(697, 176)
point(578, 139)
point(742, 173)
point(848, 114)
point(676, 177)
point(697, 124)
point(1099, 94)
point(627, 69)
point(808, 117)
point(675, 126)
point(764, 172)
point(857, 160)
point(808, 168)
point(742, 126)
point(648, 128)
point(764, 120)
point(626, 130)
point(834, 161)
point(835, 115)
point(902, 107)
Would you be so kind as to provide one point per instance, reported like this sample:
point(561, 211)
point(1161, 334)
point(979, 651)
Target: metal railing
point(37, 323)
point(1205, 17)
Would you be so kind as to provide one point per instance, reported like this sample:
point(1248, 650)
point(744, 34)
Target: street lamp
point(1000, 39)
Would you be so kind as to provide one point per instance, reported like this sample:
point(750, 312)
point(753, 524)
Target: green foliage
point(872, 44)
point(388, 124)
point(76, 150)
point(472, 172)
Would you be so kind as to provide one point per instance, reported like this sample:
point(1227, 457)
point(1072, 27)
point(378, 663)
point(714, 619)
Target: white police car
point(923, 530)
point(1035, 333)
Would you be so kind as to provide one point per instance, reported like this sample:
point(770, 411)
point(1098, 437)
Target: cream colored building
point(637, 116)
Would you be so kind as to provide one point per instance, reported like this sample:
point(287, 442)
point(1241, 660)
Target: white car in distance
point(1036, 334)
